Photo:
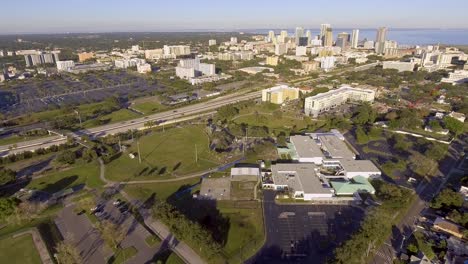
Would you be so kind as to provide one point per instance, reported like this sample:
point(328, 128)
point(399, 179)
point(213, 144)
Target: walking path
point(39, 243)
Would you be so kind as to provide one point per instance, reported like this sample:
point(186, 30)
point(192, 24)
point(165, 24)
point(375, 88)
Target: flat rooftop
point(338, 91)
point(306, 146)
point(215, 188)
point(336, 147)
point(299, 177)
point(351, 165)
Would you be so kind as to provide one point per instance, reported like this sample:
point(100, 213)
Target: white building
point(144, 68)
point(212, 42)
point(327, 63)
point(369, 44)
point(320, 103)
point(155, 54)
point(456, 77)
point(65, 65)
point(190, 68)
point(233, 40)
point(301, 180)
point(281, 48)
point(126, 63)
point(401, 66)
point(135, 48)
point(179, 50)
point(301, 51)
point(211, 78)
point(185, 73)
point(355, 38)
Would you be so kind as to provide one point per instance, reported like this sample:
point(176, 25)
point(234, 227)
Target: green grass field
point(166, 154)
point(80, 173)
point(162, 190)
point(266, 115)
point(149, 107)
point(16, 138)
point(19, 250)
point(114, 117)
point(245, 232)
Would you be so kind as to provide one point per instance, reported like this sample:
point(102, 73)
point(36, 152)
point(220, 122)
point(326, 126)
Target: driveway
point(79, 230)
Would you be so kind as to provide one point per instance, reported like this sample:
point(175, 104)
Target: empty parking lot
point(304, 233)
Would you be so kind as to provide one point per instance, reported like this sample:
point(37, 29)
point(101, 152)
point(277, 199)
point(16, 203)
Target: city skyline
point(87, 16)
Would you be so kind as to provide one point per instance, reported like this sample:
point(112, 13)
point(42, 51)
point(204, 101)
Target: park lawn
point(123, 255)
point(19, 250)
point(246, 231)
point(162, 190)
point(149, 107)
point(264, 115)
point(21, 164)
point(52, 182)
point(166, 154)
point(114, 117)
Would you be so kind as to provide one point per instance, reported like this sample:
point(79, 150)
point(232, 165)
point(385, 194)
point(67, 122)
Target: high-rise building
point(309, 36)
point(176, 50)
point(212, 42)
point(37, 58)
point(299, 34)
point(342, 40)
point(328, 38)
point(355, 39)
point(303, 41)
point(323, 30)
point(233, 40)
point(271, 36)
point(380, 40)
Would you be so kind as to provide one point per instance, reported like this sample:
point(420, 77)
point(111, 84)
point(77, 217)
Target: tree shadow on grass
point(203, 212)
point(59, 185)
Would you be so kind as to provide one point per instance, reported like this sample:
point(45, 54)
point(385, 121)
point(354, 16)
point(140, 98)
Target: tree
point(436, 151)
point(7, 207)
point(281, 140)
point(227, 112)
point(89, 154)
point(422, 165)
point(452, 124)
point(113, 234)
point(361, 136)
point(7, 176)
point(447, 198)
point(401, 143)
point(67, 157)
point(67, 254)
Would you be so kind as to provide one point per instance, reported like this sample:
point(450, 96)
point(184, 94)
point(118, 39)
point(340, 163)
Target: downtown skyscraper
point(299, 34)
point(380, 40)
point(355, 38)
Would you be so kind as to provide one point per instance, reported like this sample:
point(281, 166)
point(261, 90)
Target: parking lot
point(304, 233)
point(35, 96)
point(136, 234)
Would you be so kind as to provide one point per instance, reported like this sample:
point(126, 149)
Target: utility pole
point(139, 154)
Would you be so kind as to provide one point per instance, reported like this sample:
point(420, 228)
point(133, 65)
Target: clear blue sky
point(38, 16)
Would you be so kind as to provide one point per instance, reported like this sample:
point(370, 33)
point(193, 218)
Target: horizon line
point(239, 30)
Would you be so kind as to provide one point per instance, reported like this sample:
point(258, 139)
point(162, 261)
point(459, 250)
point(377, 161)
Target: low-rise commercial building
point(210, 78)
point(448, 227)
point(65, 65)
point(456, 77)
point(358, 184)
point(179, 50)
point(84, 56)
point(272, 60)
point(126, 63)
point(301, 180)
point(401, 66)
point(144, 68)
point(84, 68)
point(320, 103)
point(279, 94)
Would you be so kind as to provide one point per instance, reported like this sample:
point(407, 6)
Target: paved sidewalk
point(39, 243)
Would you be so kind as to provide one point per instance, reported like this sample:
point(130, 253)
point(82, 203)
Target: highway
point(184, 113)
